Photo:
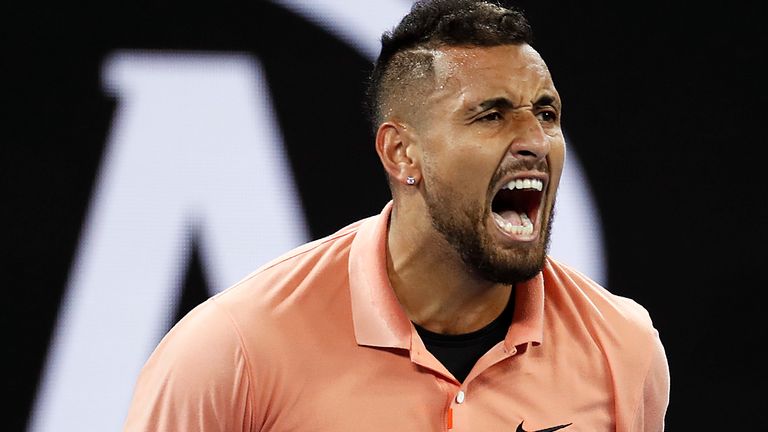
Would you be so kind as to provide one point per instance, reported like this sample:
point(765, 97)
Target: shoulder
point(273, 303)
point(215, 325)
point(322, 260)
point(564, 282)
point(204, 338)
point(198, 367)
point(626, 335)
point(205, 366)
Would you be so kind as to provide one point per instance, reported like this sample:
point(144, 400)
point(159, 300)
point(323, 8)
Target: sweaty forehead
point(516, 70)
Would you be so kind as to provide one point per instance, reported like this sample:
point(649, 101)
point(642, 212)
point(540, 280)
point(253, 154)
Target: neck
point(433, 284)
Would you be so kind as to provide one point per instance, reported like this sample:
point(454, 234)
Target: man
point(444, 311)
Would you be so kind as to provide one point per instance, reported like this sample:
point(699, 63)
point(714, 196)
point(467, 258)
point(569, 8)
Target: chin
point(514, 263)
point(512, 266)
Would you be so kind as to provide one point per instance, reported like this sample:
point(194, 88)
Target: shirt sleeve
point(197, 379)
point(652, 411)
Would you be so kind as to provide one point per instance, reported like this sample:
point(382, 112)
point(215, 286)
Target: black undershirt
point(459, 353)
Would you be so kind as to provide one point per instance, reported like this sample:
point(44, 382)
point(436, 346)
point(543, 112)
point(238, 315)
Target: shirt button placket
point(458, 399)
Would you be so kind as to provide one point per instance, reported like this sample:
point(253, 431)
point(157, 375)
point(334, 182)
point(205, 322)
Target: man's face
point(493, 152)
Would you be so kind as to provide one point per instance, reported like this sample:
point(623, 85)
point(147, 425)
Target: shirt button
point(460, 397)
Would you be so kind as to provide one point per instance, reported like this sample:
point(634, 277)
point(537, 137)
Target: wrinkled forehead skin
point(462, 74)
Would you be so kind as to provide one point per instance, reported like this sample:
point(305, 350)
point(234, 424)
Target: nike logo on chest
point(549, 429)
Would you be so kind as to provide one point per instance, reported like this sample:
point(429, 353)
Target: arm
point(198, 378)
point(653, 408)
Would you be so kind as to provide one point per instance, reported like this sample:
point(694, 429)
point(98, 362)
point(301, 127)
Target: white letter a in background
point(194, 146)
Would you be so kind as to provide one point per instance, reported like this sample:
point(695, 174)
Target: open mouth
point(516, 205)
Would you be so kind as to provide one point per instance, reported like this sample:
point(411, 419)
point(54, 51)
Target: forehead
point(515, 71)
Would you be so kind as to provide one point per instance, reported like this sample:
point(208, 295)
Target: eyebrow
point(547, 100)
point(503, 103)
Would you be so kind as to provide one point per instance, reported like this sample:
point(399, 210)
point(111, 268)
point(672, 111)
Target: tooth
point(527, 183)
point(499, 220)
point(511, 185)
point(526, 220)
point(537, 184)
point(519, 184)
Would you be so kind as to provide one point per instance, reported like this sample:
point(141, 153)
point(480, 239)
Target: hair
point(407, 51)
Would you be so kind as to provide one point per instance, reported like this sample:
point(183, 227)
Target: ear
point(399, 152)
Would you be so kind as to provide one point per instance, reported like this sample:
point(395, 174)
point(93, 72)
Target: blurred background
point(155, 153)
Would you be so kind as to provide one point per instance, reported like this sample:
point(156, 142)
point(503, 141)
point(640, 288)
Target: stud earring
point(410, 180)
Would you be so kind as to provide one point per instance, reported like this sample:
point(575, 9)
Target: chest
point(374, 389)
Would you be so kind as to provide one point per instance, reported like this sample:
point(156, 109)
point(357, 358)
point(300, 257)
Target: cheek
point(556, 161)
point(463, 160)
point(459, 181)
point(471, 169)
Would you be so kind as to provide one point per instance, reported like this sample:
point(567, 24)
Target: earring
point(410, 180)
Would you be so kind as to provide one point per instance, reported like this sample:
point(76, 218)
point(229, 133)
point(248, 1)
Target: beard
point(464, 228)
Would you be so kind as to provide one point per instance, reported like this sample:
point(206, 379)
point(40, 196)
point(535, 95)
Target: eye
point(547, 116)
point(491, 116)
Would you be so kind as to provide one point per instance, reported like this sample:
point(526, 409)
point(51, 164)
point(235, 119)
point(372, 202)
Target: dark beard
point(463, 230)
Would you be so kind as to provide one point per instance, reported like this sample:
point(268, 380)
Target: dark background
point(665, 105)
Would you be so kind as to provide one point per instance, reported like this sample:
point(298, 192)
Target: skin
point(461, 147)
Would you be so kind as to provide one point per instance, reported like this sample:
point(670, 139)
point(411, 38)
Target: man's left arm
point(653, 407)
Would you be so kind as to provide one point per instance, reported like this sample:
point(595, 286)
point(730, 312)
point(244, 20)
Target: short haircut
point(406, 56)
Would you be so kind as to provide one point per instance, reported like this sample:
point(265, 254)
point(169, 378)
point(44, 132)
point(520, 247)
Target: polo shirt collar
point(379, 319)
point(528, 319)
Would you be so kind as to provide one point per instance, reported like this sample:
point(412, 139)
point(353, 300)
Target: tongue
point(511, 216)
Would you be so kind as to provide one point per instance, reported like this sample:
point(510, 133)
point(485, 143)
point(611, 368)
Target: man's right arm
point(198, 378)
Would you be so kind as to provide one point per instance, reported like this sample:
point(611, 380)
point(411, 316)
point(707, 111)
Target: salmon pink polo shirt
point(316, 340)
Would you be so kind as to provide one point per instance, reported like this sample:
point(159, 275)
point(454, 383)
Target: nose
point(529, 140)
